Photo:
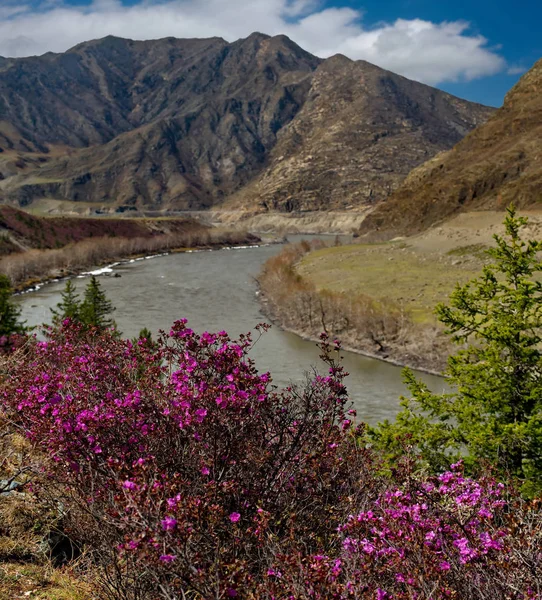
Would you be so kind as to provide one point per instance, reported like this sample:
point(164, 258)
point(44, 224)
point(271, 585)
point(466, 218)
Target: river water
point(216, 290)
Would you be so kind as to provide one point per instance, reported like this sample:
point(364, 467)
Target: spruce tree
point(69, 307)
point(96, 308)
point(10, 313)
point(495, 410)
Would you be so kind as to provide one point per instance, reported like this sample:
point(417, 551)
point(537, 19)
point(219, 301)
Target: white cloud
point(515, 70)
point(422, 50)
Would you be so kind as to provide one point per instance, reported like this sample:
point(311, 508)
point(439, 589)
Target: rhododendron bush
point(186, 474)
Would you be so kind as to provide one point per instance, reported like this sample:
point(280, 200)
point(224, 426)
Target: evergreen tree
point(495, 412)
point(69, 307)
point(9, 312)
point(145, 335)
point(96, 308)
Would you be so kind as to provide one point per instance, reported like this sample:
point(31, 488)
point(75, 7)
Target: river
point(216, 290)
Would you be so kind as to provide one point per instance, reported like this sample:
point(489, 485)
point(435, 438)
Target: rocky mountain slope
point(494, 165)
point(185, 124)
point(359, 133)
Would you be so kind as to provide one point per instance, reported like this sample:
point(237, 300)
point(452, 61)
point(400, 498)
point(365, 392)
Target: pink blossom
point(167, 558)
point(169, 523)
point(234, 517)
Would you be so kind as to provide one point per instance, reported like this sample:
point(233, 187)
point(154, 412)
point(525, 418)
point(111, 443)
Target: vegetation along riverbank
point(36, 249)
point(379, 298)
point(378, 328)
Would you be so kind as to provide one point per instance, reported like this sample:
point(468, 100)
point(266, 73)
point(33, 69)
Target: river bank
point(379, 299)
point(311, 222)
point(379, 329)
point(396, 360)
point(33, 268)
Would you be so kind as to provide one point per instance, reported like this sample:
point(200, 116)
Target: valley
point(216, 258)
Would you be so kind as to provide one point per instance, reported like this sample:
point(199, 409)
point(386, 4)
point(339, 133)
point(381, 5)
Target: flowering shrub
point(190, 476)
point(179, 458)
point(444, 537)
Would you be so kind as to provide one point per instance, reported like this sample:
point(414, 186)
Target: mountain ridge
point(187, 124)
point(494, 165)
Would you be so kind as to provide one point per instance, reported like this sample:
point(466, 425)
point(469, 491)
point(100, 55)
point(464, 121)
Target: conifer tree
point(10, 313)
point(69, 307)
point(96, 308)
point(495, 410)
point(145, 335)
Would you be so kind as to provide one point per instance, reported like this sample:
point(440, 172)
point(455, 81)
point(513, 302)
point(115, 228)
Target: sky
point(475, 49)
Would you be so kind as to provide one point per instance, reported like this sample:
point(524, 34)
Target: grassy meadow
point(414, 281)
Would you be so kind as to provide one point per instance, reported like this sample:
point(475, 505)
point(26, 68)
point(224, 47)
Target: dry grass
point(42, 582)
point(26, 525)
point(32, 266)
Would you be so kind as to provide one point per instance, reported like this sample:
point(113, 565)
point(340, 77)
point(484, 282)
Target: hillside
point(20, 231)
point(359, 133)
point(494, 165)
point(186, 124)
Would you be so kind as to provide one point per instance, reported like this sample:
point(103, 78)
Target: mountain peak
point(339, 59)
point(188, 123)
point(258, 36)
point(107, 41)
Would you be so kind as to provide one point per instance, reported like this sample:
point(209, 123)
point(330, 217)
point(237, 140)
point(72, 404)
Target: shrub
point(181, 470)
point(189, 476)
point(437, 538)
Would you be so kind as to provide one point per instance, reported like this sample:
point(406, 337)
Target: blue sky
point(512, 27)
point(475, 49)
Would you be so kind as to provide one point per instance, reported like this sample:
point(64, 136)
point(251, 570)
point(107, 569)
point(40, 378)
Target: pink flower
point(201, 413)
point(444, 565)
point(167, 558)
point(169, 523)
point(129, 485)
point(205, 471)
point(234, 517)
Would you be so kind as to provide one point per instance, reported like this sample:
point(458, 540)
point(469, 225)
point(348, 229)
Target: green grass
point(414, 281)
point(475, 250)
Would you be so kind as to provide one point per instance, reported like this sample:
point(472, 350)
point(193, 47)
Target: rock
point(8, 486)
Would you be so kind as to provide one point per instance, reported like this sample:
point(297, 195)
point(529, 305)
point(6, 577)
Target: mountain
point(359, 133)
point(180, 124)
point(498, 163)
